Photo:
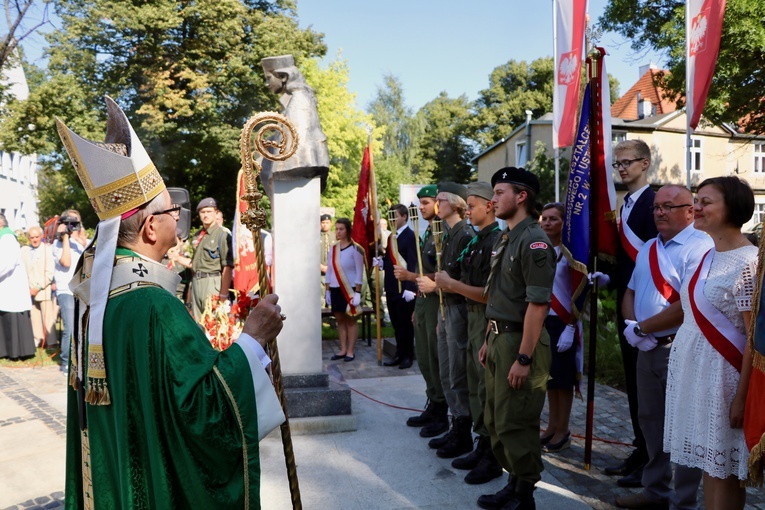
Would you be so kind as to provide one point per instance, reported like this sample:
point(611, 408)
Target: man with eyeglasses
point(653, 314)
point(213, 260)
point(632, 159)
point(156, 417)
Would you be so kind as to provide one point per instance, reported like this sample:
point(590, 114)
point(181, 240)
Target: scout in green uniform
point(475, 261)
point(452, 327)
point(434, 419)
point(213, 259)
point(325, 243)
point(516, 353)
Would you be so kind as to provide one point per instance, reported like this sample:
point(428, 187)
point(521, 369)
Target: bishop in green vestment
point(156, 417)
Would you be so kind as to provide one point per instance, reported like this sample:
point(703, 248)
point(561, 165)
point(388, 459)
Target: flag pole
point(688, 97)
point(594, 57)
point(373, 207)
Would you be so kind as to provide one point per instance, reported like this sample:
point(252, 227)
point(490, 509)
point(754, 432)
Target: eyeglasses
point(174, 212)
point(625, 163)
point(667, 208)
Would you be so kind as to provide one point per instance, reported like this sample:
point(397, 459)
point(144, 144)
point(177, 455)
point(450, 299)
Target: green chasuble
point(181, 430)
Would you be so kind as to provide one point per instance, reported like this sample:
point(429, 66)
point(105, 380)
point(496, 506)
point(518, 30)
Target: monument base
point(317, 405)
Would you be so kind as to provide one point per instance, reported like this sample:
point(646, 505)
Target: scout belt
point(505, 327)
point(200, 274)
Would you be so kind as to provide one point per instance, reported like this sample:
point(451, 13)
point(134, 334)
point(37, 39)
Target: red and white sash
point(345, 286)
point(716, 327)
point(630, 241)
point(663, 273)
point(561, 305)
point(392, 251)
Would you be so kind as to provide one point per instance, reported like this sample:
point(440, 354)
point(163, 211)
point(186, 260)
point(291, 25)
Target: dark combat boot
point(471, 460)
point(461, 441)
point(439, 422)
point(425, 417)
point(487, 470)
point(500, 499)
point(439, 442)
point(523, 497)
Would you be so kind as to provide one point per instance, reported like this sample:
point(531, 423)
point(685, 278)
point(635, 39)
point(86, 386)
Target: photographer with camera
point(70, 244)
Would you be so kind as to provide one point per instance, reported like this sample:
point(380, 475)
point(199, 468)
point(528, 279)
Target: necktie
point(628, 202)
point(495, 261)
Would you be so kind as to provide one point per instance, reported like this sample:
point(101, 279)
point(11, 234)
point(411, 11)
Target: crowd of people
point(490, 316)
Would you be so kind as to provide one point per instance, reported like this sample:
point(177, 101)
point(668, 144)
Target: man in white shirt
point(653, 314)
point(67, 250)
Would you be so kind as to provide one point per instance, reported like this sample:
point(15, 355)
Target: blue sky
point(445, 45)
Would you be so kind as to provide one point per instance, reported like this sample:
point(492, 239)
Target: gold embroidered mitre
point(118, 174)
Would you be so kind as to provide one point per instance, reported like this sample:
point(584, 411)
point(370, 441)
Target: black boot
point(471, 460)
point(501, 498)
point(423, 418)
point(439, 441)
point(439, 423)
point(461, 441)
point(523, 497)
point(487, 470)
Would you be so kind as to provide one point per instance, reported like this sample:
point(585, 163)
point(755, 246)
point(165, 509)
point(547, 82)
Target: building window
point(521, 156)
point(759, 213)
point(618, 136)
point(696, 155)
point(759, 157)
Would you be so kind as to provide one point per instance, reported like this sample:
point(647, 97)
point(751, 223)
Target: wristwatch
point(524, 360)
point(638, 331)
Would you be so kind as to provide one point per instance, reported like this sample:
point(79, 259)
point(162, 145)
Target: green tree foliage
point(544, 167)
point(444, 149)
point(514, 87)
point(187, 73)
point(737, 94)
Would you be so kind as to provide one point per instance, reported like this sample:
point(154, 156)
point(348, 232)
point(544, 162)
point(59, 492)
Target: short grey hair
point(129, 227)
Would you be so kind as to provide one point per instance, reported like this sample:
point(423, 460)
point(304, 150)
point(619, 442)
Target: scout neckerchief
point(473, 241)
point(345, 286)
point(663, 273)
point(393, 253)
point(716, 327)
point(561, 305)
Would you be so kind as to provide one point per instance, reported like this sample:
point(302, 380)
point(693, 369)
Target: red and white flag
point(704, 20)
point(365, 212)
point(568, 27)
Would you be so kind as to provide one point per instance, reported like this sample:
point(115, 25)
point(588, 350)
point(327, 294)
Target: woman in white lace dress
point(709, 365)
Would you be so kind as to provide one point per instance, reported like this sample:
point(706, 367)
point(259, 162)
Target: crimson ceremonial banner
point(704, 21)
point(365, 214)
point(569, 23)
point(245, 260)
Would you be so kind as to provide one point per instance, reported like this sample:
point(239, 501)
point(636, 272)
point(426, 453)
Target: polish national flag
point(704, 21)
point(568, 27)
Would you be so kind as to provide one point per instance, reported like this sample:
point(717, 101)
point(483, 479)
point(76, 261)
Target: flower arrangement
point(223, 321)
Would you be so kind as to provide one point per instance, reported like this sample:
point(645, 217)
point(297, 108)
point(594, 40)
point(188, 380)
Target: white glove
point(327, 298)
point(356, 299)
point(643, 343)
point(566, 339)
point(602, 279)
point(377, 262)
point(408, 296)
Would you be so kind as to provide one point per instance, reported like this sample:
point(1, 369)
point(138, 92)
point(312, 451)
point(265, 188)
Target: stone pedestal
point(313, 403)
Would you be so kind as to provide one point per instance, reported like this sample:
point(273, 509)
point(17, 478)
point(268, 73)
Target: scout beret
point(428, 191)
point(453, 187)
point(207, 202)
point(480, 189)
point(519, 176)
point(325, 217)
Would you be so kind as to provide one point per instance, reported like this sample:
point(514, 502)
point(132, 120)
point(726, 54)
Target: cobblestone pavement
point(34, 399)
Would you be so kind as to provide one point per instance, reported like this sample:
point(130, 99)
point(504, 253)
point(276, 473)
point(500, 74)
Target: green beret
point(428, 191)
point(519, 176)
point(453, 187)
point(480, 189)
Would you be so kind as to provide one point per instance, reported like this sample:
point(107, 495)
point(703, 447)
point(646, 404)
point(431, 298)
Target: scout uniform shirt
point(455, 240)
point(324, 244)
point(476, 257)
point(428, 249)
point(213, 252)
point(525, 275)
